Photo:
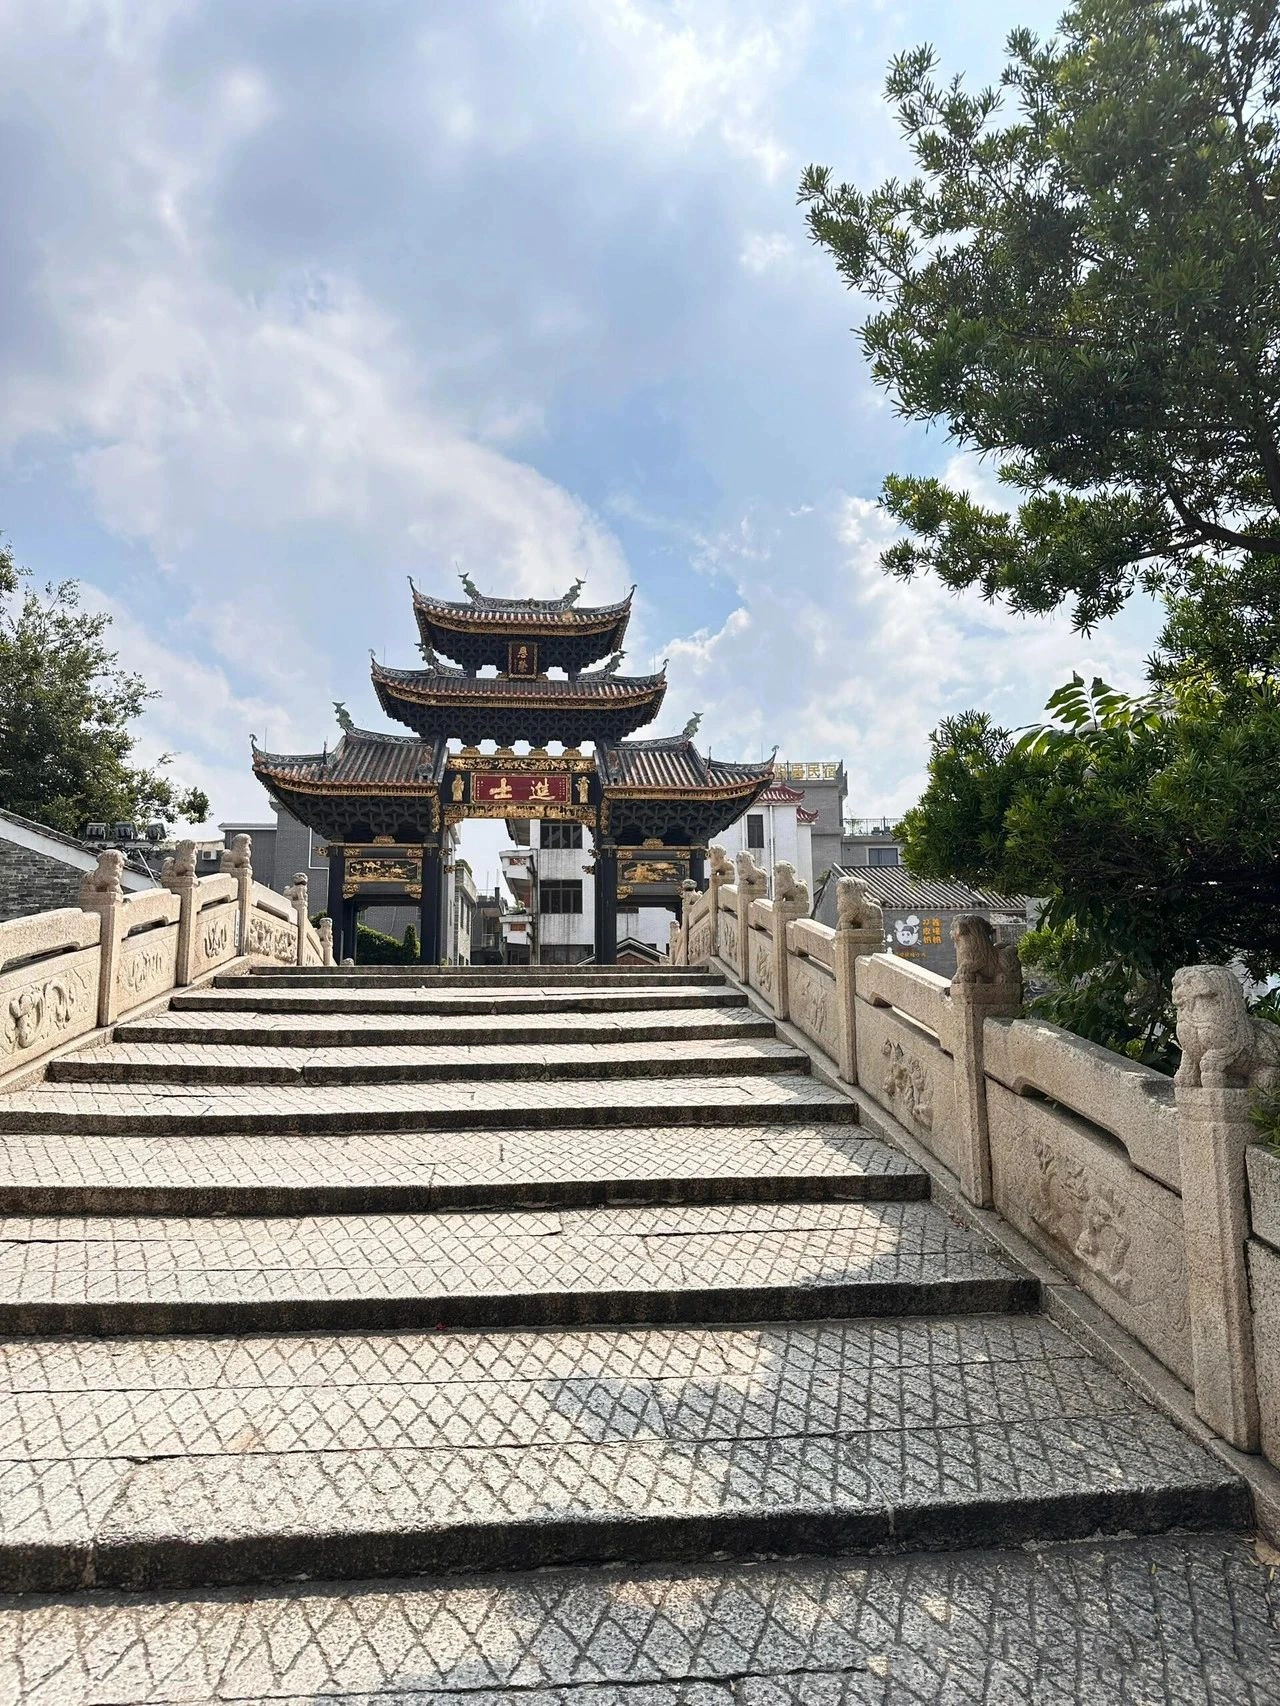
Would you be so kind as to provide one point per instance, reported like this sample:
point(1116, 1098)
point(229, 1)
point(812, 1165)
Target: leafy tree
point(1086, 291)
point(1149, 826)
point(66, 710)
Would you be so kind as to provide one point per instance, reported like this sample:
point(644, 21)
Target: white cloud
point(765, 251)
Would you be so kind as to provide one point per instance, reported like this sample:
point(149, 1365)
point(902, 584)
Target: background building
point(919, 912)
point(778, 826)
point(824, 788)
point(548, 870)
point(42, 869)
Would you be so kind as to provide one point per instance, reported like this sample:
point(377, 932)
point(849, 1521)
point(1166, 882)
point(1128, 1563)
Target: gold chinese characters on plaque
point(489, 788)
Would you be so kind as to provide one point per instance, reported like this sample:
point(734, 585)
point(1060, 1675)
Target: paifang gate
point(528, 672)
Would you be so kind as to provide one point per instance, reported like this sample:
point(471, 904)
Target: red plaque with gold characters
point(522, 658)
point(518, 790)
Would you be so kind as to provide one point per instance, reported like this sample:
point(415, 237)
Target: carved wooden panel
point(1115, 1231)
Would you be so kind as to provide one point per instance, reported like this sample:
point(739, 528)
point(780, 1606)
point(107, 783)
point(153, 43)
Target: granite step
point(484, 1270)
point(419, 1172)
point(197, 1062)
point(1191, 1617)
point(373, 1030)
point(221, 1110)
point(461, 977)
point(247, 997)
point(177, 1461)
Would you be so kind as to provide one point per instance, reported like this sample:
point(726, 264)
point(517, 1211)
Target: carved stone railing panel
point(1131, 1102)
point(729, 937)
point(885, 981)
point(50, 995)
point(910, 1075)
point(147, 960)
point(699, 950)
point(214, 939)
point(760, 966)
point(814, 1002)
point(1115, 1231)
point(805, 936)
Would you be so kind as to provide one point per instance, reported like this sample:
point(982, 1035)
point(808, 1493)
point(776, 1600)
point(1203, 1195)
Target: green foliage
point(1148, 825)
point(66, 710)
point(1080, 279)
point(375, 948)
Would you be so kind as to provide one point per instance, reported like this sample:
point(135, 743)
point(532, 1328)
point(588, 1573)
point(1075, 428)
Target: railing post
point(178, 875)
point(237, 860)
point(721, 873)
point(751, 886)
point(987, 984)
point(790, 900)
point(101, 892)
point(297, 893)
point(326, 939)
point(1225, 1055)
point(859, 930)
point(688, 894)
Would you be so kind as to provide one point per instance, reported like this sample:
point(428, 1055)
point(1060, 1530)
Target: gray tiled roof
point(897, 889)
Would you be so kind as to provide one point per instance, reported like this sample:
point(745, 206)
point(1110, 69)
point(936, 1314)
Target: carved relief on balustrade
point(146, 966)
point(729, 937)
point(215, 938)
point(700, 942)
point(1115, 1231)
point(47, 1004)
point(761, 967)
point(271, 938)
point(910, 1075)
point(811, 991)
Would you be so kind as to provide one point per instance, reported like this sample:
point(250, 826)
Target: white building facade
point(554, 889)
point(778, 827)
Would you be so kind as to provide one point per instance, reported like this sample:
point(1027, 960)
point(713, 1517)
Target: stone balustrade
point(65, 973)
point(1152, 1195)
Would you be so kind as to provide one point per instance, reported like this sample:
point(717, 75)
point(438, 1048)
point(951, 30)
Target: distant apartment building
point(824, 788)
point(779, 826)
point(548, 870)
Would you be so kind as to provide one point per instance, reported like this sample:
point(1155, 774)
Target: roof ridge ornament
point(469, 587)
point(691, 727)
point(343, 716)
point(571, 597)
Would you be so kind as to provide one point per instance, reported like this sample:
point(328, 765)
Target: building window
point(559, 897)
point(560, 835)
point(755, 829)
point(883, 856)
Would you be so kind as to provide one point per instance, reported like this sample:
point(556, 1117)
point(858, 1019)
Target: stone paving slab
point(825, 1437)
point(1191, 1619)
point(394, 1171)
point(191, 1062)
point(263, 1029)
point(453, 1105)
point(471, 977)
point(733, 1262)
point(447, 1002)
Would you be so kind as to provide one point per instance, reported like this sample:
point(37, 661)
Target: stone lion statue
point(720, 865)
point(180, 866)
point(239, 856)
point(979, 957)
point(103, 882)
point(855, 909)
point(1222, 1047)
point(788, 890)
point(750, 876)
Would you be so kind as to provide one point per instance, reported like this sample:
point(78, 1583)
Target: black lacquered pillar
point(606, 873)
point(431, 913)
point(333, 905)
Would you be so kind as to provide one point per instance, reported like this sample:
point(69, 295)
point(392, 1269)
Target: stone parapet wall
point(1150, 1194)
point(68, 971)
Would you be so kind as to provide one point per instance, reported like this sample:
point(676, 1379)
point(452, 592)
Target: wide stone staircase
point(357, 1273)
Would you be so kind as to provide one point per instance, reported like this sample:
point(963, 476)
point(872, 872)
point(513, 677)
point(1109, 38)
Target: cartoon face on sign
point(907, 930)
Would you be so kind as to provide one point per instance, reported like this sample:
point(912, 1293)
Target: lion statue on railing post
point(1222, 1046)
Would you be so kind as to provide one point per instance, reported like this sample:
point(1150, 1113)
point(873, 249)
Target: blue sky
point(298, 298)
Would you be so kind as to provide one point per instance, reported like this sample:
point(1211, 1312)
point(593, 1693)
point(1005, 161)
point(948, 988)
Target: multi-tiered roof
point(403, 787)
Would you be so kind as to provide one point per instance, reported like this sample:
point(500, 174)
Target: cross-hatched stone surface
point(439, 1169)
point(1188, 1619)
point(185, 1062)
point(451, 1105)
point(195, 1027)
point(455, 1002)
point(401, 1446)
point(447, 1264)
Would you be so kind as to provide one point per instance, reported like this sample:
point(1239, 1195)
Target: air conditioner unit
point(155, 832)
point(96, 832)
point(124, 831)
